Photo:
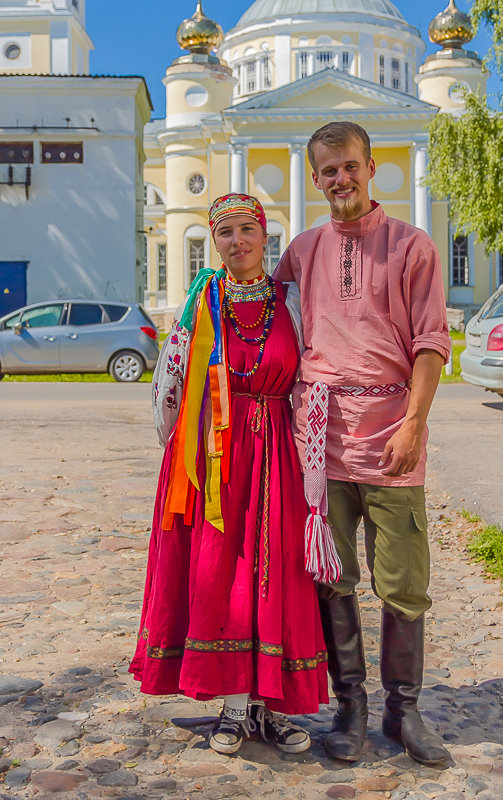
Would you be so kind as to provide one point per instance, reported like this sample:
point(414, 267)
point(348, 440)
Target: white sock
point(235, 705)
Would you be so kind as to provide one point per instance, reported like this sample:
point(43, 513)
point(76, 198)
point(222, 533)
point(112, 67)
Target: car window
point(85, 314)
point(9, 323)
point(146, 316)
point(493, 308)
point(115, 313)
point(42, 316)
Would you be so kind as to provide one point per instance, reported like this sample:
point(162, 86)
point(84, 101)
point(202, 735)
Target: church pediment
point(331, 89)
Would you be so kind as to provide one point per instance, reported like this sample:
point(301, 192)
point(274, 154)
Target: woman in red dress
point(229, 609)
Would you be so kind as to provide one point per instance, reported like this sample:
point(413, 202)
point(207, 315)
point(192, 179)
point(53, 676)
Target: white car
point(482, 361)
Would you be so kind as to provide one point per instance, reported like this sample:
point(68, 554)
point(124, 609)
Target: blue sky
point(138, 37)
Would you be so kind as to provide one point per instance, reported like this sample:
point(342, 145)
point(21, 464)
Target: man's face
point(343, 176)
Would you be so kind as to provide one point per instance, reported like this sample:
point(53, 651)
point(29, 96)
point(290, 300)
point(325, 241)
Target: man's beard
point(346, 209)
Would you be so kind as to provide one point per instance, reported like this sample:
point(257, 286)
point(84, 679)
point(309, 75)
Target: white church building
point(71, 162)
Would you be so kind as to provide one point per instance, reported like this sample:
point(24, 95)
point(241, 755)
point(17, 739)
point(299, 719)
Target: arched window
point(275, 245)
point(161, 267)
point(196, 252)
point(460, 261)
point(152, 195)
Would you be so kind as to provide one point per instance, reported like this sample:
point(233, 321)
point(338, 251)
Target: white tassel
point(321, 557)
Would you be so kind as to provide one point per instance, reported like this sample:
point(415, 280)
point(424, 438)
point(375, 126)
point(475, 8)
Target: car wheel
point(127, 366)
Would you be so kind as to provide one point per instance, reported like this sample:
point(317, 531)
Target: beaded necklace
point(267, 314)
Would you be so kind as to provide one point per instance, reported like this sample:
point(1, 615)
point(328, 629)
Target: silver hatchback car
point(78, 336)
point(482, 361)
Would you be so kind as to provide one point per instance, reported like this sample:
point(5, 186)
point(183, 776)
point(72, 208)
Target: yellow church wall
point(483, 265)
point(156, 176)
point(41, 53)
point(176, 225)
point(153, 242)
point(219, 95)
point(219, 180)
point(178, 171)
point(280, 159)
point(254, 44)
point(398, 211)
point(400, 157)
point(40, 45)
point(440, 235)
point(313, 213)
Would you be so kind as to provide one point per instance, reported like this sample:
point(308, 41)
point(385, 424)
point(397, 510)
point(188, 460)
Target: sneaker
point(278, 730)
point(228, 732)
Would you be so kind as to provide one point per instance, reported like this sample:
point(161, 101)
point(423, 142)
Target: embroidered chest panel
point(350, 267)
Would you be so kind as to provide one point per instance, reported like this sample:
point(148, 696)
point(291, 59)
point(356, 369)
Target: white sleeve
point(169, 374)
point(292, 303)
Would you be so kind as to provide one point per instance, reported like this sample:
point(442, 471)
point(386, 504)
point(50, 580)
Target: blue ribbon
point(195, 288)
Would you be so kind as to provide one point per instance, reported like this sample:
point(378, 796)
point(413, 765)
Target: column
point(238, 167)
point(422, 204)
point(297, 190)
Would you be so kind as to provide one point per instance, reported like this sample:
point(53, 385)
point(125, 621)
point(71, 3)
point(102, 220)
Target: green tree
point(466, 151)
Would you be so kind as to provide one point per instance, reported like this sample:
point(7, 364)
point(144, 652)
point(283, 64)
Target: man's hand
point(404, 447)
point(404, 450)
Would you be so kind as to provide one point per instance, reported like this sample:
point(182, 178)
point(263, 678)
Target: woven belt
point(261, 416)
point(380, 390)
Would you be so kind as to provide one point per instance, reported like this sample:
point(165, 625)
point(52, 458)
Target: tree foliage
point(490, 12)
point(466, 167)
point(466, 151)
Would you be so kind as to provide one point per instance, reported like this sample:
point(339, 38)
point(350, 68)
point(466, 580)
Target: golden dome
point(199, 34)
point(450, 28)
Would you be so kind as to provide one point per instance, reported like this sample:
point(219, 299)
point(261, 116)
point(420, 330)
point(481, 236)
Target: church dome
point(451, 28)
point(199, 33)
point(272, 9)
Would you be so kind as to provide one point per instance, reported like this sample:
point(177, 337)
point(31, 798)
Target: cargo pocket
point(419, 554)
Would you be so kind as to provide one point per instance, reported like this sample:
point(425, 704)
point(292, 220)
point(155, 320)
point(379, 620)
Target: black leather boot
point(340, 617)
point(402, 658)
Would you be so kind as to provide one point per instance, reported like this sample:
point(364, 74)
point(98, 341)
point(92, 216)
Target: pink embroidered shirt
point(371, 297)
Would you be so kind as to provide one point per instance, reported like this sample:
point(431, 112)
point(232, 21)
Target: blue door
point(12, 285)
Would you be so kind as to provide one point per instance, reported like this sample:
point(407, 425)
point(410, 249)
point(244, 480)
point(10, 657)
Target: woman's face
point(240, 241)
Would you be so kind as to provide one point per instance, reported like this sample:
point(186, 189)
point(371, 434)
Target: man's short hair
point(337, 135)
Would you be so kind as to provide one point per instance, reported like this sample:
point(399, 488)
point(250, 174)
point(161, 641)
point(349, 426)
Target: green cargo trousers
point(396, 542)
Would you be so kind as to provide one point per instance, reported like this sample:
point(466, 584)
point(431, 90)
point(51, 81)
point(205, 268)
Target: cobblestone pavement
point(77, 477)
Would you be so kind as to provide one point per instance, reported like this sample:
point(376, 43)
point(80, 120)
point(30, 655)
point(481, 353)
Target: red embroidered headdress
point(229, 205)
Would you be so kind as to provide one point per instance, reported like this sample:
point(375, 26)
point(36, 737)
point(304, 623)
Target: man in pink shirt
point(376, 337)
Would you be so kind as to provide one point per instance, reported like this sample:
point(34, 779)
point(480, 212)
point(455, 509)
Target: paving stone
point(53, 734)
point(37, 763)
point(68, 765)
point(70, 748)
point(201, 770)
point(123, 777)
point(73, 716)
point(375, 783)
point(103, 765)
point(57, 781)
point(337, 776)
point(17, 778)
point(341, 791)
point(167, 784)
point(16, 686)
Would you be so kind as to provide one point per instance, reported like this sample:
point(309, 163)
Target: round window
point(12, 51)
point(196, 183)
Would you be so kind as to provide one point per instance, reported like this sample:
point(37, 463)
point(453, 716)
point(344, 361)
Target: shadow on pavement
point(497, 406)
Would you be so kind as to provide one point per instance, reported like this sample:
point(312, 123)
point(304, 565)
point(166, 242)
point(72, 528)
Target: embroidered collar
point(360, 227)
point(246, 293)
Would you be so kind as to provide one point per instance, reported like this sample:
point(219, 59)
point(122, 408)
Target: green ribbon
point(195, 288)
